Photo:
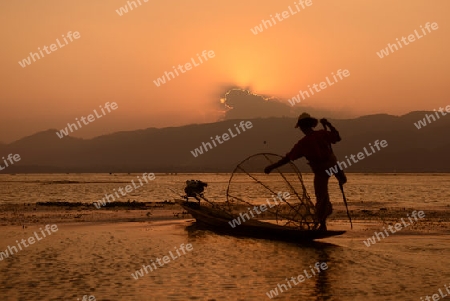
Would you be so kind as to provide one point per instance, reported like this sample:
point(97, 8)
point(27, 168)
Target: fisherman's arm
point(280, 163)
point(334, 134)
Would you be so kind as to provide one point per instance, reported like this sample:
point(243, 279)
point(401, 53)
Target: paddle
point(341, 185)
point(345, 202)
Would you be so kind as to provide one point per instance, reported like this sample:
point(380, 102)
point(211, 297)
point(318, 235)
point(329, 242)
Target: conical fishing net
point(281, 193)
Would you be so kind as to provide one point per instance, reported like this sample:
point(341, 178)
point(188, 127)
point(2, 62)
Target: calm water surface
point(429, 190)
point(98, 259)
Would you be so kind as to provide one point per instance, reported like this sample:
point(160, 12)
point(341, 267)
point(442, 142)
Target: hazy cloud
point(241, 103)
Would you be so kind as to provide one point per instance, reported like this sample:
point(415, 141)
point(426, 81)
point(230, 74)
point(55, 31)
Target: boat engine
point(195, 188)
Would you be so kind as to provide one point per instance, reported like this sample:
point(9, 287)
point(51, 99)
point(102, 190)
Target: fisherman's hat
point(306, 120)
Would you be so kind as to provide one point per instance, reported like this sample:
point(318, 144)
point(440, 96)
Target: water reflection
point(280, 260)
point(323, 285)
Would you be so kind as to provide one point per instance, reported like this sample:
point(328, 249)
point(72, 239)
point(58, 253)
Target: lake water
point(97, 258)
point(397, 190)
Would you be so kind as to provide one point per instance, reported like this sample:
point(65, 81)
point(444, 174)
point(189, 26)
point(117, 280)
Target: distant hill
point(169, 149)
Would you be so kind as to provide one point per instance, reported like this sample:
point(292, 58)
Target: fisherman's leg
point(323, 204)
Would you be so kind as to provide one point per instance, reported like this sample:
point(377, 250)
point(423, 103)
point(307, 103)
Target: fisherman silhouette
point(316, 148)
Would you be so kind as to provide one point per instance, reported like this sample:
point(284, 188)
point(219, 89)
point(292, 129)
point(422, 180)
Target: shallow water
point(98, 260)
point(394, 190)
point(95, 258)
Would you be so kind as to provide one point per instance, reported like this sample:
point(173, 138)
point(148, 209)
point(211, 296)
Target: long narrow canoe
point(219, 222)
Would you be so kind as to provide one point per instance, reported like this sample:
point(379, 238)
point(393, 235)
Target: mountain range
point(171, 149)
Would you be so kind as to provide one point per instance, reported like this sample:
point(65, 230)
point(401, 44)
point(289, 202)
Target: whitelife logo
point(371, 241)
point(10, 158)
point(237, 221)
point(266, 24)
point(12, 249)
point(27, 61)
point(423, 122)
point(322, 85)
point(91, 118)
point(225, 137)
point(188, 66)
point(360, 155)
point(123, 10)
point(318, 267)
point(128, 189)
point(165, 259)
point(435, 297)
point(411, 38)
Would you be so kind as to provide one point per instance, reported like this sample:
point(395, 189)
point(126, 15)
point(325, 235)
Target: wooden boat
point(290, 205)
point(218, 221)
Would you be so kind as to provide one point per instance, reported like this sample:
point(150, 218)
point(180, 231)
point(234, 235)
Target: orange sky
point(118, 57)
